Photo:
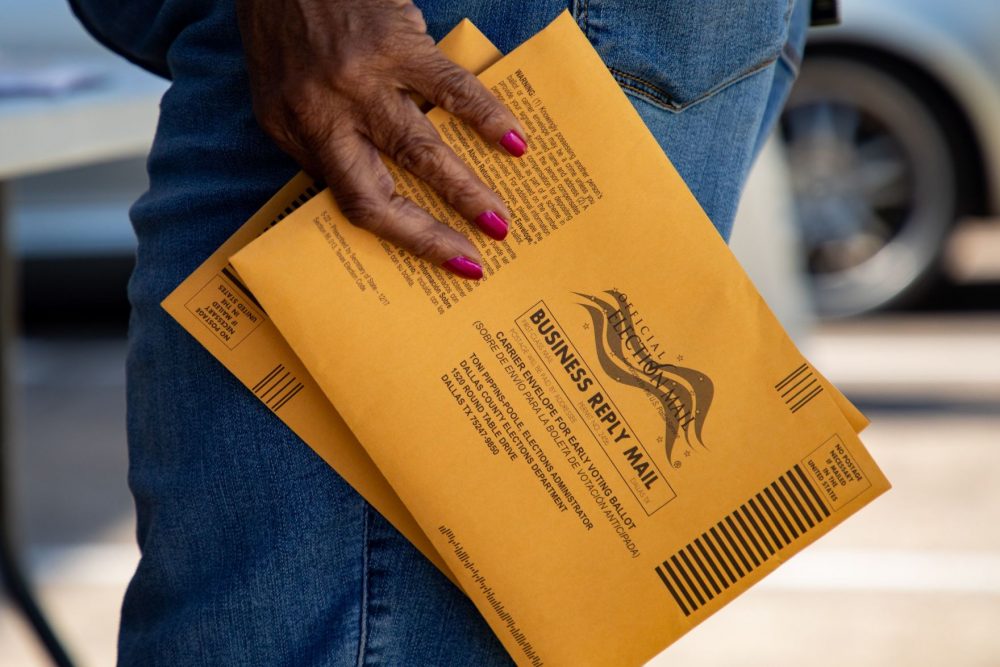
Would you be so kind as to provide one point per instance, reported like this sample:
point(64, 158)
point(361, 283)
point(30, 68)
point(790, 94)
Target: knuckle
point(428, 245)
point(385, 185)
point(483, 110)
point(465, 193)
point(419, 154)
point(463, 95)
point(362, 210)
point(453, 89)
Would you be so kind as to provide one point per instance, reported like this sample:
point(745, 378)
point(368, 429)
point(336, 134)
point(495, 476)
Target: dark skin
point(332, 83)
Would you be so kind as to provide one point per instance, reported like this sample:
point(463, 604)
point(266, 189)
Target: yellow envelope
point(218, 310)
point(610, 436)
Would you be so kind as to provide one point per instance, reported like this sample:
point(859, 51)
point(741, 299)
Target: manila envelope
point(610, 436)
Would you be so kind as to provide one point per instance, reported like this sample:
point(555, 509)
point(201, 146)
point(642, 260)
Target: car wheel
point(874, 180)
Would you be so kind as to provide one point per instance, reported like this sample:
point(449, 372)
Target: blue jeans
point(254, 551)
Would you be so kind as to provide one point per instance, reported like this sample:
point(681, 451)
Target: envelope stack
point(606, 439)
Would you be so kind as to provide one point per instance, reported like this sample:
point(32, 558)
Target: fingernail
point(492, 225)
point(464, 267)
point(514, 143)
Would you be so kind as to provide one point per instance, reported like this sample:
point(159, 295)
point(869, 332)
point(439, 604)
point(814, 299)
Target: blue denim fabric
point(255, 552)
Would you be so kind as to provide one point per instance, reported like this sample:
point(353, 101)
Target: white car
point(893, 136)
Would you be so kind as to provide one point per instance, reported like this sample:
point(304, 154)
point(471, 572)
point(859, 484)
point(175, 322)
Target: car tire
point(875, 181)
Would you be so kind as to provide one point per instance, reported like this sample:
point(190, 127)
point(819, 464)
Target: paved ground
point(912, 580)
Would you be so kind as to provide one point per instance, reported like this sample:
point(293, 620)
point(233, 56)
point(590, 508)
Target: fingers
point(456, 90)
point(365, 192)
point(413, 144)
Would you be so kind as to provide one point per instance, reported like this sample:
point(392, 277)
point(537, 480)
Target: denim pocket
point(675, 53)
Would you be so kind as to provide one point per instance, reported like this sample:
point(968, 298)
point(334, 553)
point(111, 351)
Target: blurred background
point(871, 224)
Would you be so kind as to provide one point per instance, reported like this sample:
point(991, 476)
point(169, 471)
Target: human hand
point(331, 83)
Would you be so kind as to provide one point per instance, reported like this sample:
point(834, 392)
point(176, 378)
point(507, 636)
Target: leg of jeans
point(253, 550)
point(785, 71)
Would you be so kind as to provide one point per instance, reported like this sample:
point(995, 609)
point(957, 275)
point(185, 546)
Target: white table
point(113, 120)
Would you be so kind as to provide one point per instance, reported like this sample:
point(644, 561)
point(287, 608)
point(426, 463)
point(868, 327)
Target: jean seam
point(791, 58)
point(363, 627)
point(656, 95)
point(659, 97)
point(581, 12)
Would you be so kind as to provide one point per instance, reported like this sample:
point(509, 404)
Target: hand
point(331, 83)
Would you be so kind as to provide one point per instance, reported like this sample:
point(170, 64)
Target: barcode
point(303, 197)
point(742, 541)
point(277, 388)
point(799, 387)
point(229, 272)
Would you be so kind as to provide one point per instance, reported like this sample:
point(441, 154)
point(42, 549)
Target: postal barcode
point(799, 387)
point(277, 388)
point(742, 541)
point(304, 196)
point(229, 272)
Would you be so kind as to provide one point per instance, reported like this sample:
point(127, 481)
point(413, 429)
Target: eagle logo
point(684, 394)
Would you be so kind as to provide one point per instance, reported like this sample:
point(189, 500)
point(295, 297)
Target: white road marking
point(892, 360)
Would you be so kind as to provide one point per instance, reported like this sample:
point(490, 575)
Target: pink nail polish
point(464, 267)
point(514, 143)
point(492, 225)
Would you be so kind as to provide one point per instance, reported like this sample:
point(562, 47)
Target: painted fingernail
point(464, 267)
point(514, 143)
point(492, 225)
